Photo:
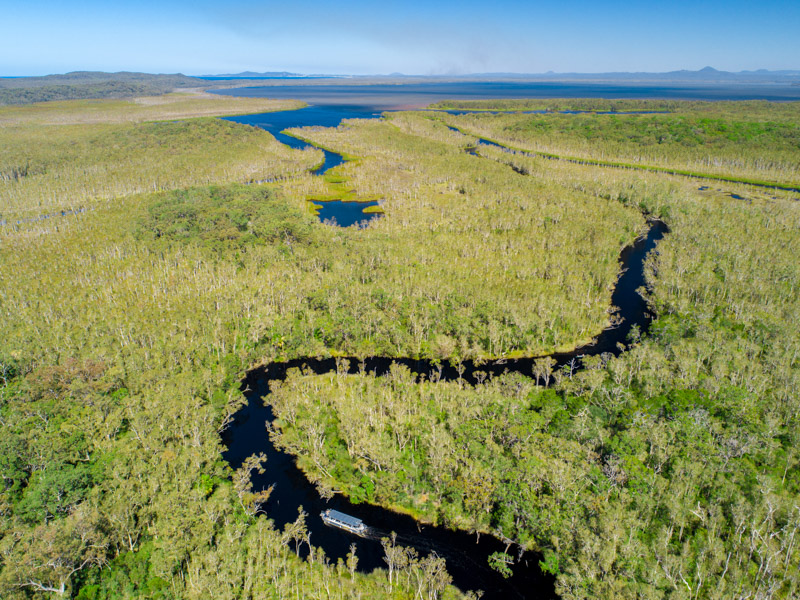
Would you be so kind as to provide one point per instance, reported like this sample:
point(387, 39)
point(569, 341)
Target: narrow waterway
point(312, 116)
point(466, 554)
point(336, 212)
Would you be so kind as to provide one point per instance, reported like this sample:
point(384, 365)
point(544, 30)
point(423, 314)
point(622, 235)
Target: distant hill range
point(90, 84)
point(705, 75)
point(253, 74)
point(95, 77)
point(96, 84)
point(708, 74)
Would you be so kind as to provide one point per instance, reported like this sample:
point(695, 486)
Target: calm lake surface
point(313, 116)
point(402, 95)
point(319, 116)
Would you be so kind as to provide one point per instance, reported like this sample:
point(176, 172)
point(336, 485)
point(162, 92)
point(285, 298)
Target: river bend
point(466, 554)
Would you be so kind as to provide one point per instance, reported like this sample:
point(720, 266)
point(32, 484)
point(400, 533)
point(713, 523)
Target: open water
point(408, 95)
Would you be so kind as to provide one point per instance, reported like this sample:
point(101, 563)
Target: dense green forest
point(669, 472)
point(49, 93)
point(164, 82)
point(89, 84)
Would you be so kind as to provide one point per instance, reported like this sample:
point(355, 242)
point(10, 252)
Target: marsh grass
point(754, 142)
point(68, 155)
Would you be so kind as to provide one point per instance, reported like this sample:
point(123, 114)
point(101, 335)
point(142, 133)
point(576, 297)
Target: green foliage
point(757, 142)
point(128, 575)
point(364, 491)
point(55, 491)
point(460, 228)
point(73, 156)
point(12, 464)
point(752, 110)
point(9, 369)
point(671, 471)
point(500, 562)
point(71, 86)
point(110, 89)
point(225, 217)
point(637, 469)
point(550, 563)
point(162, 81)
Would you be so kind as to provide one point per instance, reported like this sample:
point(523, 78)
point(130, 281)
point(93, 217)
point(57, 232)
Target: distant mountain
point(90, 84)
point(95, 84)
point(706, 74)
point(246, 74)
point(169, 81)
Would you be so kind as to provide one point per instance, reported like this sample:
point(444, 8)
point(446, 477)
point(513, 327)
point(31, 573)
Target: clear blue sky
point(413, 36)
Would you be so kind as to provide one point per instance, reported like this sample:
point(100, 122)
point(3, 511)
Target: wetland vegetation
point(670, 471)
point(752, 142)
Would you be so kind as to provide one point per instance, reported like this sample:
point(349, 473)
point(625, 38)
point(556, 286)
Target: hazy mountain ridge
point(706, 74)
point(81, 85)
point(177, 80)
point(124, 84)
point(167, 81)
point(255, 74)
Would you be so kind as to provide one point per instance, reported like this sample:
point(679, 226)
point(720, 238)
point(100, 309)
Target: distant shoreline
point(409, 95)
point(396, 90)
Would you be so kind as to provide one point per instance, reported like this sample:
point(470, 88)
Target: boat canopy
point(335, 515)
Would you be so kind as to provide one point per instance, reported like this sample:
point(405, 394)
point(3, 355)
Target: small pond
point(345, 214)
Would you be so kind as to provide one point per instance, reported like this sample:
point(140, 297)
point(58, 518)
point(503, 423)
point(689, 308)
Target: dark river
point(466, 554)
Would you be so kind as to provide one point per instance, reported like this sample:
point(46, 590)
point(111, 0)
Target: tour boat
point(334, 518)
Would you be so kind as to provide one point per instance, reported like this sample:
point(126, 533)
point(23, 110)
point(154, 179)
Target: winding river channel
point(466, 554)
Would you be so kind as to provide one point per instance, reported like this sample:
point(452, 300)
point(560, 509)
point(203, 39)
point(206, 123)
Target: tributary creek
point(466, 554)
point(343, 214)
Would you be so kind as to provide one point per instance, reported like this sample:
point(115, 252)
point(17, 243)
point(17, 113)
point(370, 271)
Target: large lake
point(415, 95)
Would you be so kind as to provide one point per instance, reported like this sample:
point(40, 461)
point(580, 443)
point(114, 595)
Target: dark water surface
point(389, 96)
point(337, 212)
point(466, 555)
point(312, 116)
point(345, 214)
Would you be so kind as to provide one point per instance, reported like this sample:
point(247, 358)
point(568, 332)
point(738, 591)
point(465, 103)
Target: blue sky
point(414, 36)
